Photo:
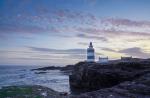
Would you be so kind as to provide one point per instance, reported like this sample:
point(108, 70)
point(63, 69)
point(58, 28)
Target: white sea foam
point(23, 76)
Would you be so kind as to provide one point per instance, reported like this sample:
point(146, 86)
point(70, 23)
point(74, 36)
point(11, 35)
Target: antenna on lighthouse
point(90, 44)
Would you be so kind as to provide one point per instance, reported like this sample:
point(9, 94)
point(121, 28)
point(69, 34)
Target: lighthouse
point(90, 53)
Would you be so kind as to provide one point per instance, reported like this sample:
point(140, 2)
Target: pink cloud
point(126, 22)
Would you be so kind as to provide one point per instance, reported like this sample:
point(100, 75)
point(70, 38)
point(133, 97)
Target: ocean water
point(22, 75)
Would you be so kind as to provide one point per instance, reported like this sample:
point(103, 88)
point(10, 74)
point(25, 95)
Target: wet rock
point(63, 93)
point(41, 72)
point(65, 68)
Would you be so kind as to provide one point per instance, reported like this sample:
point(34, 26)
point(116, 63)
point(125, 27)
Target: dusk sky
point(57, 32)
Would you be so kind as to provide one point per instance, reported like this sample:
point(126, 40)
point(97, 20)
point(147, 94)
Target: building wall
point(90, 54)
point(103, 60)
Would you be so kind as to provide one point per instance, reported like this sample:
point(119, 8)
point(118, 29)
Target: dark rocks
point(63, 93)
point(138, 88)
point(121, 80)
point(47, 68)
point(41, 72)
point(65, 68)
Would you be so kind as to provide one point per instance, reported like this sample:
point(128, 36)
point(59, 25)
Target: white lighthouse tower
point(90, 53)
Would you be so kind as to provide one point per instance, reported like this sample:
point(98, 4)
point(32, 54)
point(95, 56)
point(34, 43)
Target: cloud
point(89, 30)
point(48, 21)
point(83, 43)
point(45, 22)
point(125, 22)
point(108, 49)
point(36, 55)
point(29, 58)
point(17, 28)
point(59, 51)
point(116, 33)
point(135, 51)
point(98, 54)
point(111, 31)
point(78, 57)
point(66, 14)
point(92, 37)
point(68, 54)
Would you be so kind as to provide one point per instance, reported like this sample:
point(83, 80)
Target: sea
point(22, 75)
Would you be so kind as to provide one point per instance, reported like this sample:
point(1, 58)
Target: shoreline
point(30, 91)
point(119, 80)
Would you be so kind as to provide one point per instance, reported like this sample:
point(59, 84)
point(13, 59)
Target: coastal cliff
point(119, 80)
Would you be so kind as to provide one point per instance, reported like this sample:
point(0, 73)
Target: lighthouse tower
point(90, 53)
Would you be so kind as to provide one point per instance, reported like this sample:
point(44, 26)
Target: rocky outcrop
point(122, 80)
point(65, 68)
point(30, 91)
point(138, 88)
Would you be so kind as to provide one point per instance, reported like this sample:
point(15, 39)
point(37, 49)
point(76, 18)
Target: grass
point(27, 92)
point(15, 91)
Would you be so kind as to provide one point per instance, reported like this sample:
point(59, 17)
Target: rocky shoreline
point(93, 80)
point(65, 68)
point(120, 80)
point(30, 91)
point(139, 88)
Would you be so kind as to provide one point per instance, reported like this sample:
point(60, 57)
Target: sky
point(58, 32)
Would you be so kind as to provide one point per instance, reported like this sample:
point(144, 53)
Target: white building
point(90, 53)
point(103, 60)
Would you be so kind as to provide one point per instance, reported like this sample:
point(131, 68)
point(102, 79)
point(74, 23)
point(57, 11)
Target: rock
point(47, 68)
point(138, 88)
point(44, 94)
point(32, 91)
point(41, 72)
point(105, 81)
point(65, 68)
point(63, 93)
